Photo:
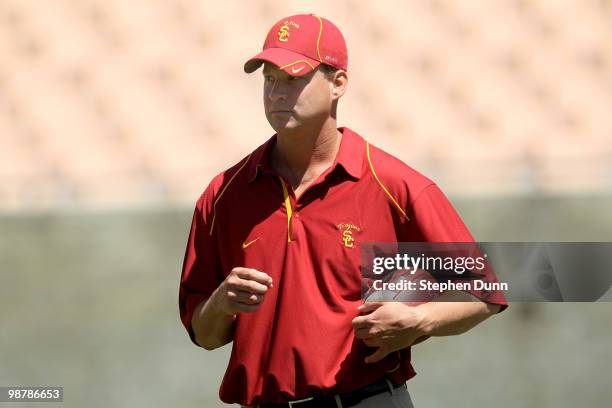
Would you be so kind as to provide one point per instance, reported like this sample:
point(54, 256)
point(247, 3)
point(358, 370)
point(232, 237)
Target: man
point(272, 261)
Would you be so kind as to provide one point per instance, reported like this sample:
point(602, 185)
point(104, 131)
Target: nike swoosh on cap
point(295, 71)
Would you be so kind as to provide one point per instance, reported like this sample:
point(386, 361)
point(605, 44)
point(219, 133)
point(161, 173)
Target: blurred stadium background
point(114, 116)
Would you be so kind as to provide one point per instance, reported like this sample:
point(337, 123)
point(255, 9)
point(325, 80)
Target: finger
point(365, 333)
point(253, 274)
point(420, 340)
point(361, 322)
point(371, 342)
point(236, 283)
point(361, 333)
point(245, 297)
point(378, 355)
point(369, 307)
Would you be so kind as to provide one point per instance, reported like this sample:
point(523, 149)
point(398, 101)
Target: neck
point(302, 155)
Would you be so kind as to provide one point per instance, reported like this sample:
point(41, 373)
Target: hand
point(242, 291)
point(389, 326)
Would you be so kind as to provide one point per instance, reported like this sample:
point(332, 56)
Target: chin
point(280, 126)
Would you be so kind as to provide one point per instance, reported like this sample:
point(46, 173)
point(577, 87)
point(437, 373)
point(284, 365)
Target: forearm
point(454, 313)
point(212, 327)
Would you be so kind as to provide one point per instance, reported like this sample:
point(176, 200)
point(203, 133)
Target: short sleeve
point(435, 220)
point(202, 272)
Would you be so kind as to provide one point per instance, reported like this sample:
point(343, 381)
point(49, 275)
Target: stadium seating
point(112, 103)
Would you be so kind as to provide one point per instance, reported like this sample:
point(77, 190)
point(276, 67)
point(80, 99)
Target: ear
point(339, 83)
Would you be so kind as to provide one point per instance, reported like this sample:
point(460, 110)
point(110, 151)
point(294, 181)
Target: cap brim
point(291, 62)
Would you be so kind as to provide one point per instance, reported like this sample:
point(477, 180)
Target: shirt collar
point(350, 154)
point(349, 157)
point(260, 160)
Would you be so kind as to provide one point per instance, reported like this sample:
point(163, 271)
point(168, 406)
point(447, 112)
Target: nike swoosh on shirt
point(295, 71)
point(246, 244)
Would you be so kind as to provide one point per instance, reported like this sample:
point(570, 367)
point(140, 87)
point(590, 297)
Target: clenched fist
point(243, 290)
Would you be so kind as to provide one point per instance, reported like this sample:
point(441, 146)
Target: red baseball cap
point(298, 44)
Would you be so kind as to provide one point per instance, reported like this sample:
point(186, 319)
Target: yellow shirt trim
point(393, 200)
point(212, 223)
point(288, 207)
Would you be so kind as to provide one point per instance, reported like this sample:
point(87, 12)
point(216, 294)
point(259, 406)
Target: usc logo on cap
point(283, 33)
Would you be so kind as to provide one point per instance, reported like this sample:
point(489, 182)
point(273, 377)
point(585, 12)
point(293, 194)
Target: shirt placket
point(288, 207)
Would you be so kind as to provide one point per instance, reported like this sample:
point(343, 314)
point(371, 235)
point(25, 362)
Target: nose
point(276, 91)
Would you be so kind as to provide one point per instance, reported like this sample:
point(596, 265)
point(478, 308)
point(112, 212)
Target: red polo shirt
point(300, 342)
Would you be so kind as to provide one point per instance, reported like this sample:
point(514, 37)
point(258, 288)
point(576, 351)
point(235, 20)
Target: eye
point(268, 78)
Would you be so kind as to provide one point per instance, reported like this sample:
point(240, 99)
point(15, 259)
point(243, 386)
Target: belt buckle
point(292, 403)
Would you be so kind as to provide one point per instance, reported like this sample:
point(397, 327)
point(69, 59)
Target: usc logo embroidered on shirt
point(347, 230)
point(347, 237)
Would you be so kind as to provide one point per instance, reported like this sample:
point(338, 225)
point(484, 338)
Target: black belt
point(348, 399)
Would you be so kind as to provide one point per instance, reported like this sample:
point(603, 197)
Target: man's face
point(294, 102)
